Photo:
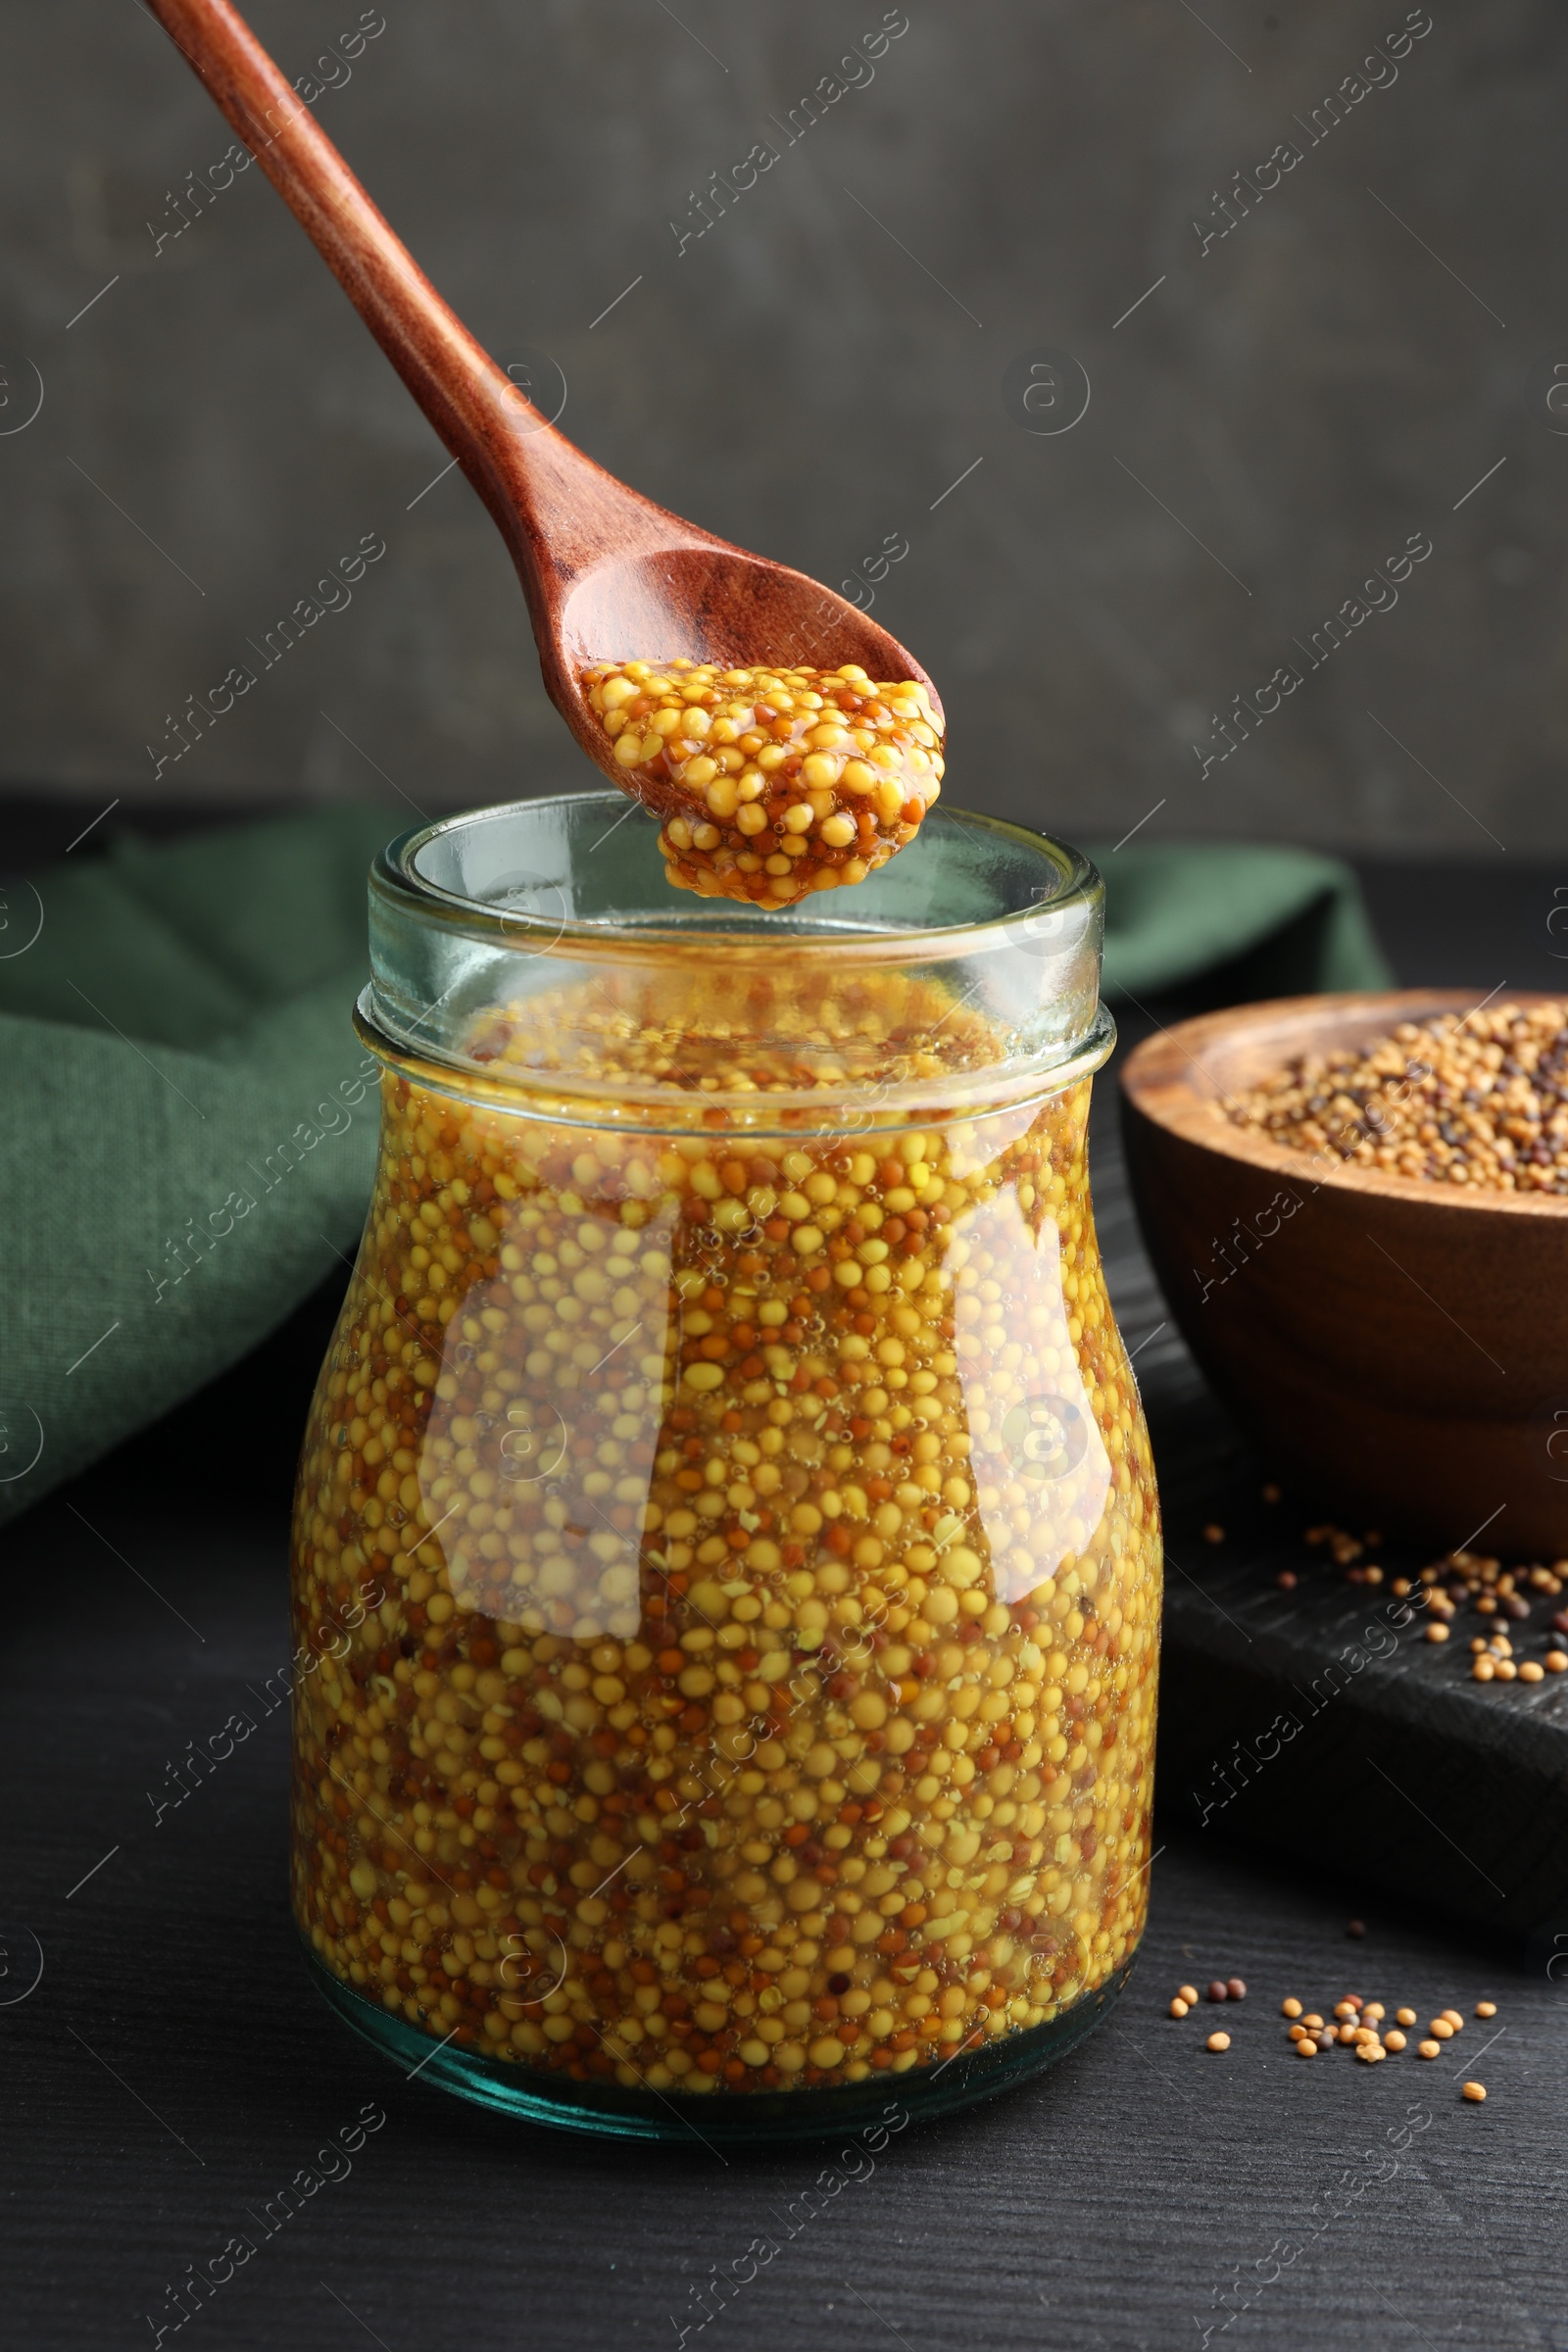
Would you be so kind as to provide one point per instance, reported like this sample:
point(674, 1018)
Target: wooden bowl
point(1398, 1348)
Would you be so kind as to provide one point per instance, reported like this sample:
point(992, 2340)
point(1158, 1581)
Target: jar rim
point(396, 875)
point(501, 946)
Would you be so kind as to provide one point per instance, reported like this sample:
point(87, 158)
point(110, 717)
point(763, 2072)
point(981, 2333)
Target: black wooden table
point(171, 2074)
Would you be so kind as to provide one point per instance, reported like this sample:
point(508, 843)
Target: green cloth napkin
point(1241, 922)
point(178, 1061)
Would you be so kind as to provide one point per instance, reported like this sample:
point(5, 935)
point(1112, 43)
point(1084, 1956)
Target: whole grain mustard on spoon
point(772, 782)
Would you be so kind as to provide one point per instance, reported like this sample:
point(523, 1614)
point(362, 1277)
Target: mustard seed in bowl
point(1478, 1098)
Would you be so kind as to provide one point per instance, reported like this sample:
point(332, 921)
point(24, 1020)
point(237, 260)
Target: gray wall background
point(1277, 417)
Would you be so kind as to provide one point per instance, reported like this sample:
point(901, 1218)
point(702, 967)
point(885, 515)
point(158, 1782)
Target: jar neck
point(535, 957)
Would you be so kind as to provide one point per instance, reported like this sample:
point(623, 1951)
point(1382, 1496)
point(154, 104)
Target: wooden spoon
point(605, 573)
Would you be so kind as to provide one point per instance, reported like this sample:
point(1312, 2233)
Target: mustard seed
point(1219, 1990)
point(1405, 2017)
point(1485, 2008)
point(1236, 1988)
point(1289, 2007)
point(1427, 2049)
point(1469, 1100)
point(1307, 2047)
point(1475, 2090)
point(1178, 2008)
point(1218, 2042)
point(1394, 2039)
point(1188, 1993)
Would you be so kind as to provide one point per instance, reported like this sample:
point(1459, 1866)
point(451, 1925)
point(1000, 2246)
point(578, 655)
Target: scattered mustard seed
point(1218, 2042)
point(1476, 2091)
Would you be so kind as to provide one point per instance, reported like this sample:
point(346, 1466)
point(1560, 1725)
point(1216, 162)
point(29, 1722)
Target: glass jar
point(726, 1560)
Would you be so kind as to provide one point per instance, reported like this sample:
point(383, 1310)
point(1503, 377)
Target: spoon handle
point(542, 492)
